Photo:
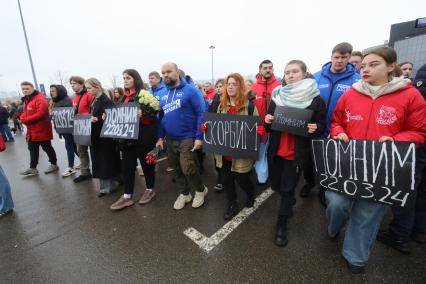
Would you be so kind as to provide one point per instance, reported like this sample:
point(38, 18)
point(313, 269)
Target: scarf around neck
point(297, 95)
point(374, 92)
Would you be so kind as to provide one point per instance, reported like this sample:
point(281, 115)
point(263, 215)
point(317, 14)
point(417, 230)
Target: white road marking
point(207, 244)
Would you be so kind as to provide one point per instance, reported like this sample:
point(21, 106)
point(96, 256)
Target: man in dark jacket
point(4, 124)
point(39, 128)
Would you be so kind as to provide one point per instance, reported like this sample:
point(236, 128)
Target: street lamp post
point(28, 46)
point(212, 48)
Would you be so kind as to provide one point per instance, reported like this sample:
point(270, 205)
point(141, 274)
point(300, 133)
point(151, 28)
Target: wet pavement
point(62, 232)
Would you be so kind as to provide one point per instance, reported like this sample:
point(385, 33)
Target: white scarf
point(297, 95)
point(375, 92)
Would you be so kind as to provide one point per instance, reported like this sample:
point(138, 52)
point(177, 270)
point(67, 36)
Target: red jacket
point(86, 100)
point(263, 91)
point(400, 115)
point(35, 116)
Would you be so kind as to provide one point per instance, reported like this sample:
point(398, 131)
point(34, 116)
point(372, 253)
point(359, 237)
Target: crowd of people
point(346, 97)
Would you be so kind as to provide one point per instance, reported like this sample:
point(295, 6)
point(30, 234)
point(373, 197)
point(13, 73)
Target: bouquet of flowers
point(152, 156)
point(148, 103)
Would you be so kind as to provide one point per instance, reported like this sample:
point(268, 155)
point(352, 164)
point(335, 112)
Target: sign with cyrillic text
point(232, 135)
point(82, 129)
point(63, 119)
point(121, 121)
point(365, 169)
point(292, 120)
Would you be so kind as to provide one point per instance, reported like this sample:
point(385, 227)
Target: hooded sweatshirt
point(263, 90)
point(159, 90)
point(182, 112)
point(332, 86)
point(395, 109)
point(62, 99)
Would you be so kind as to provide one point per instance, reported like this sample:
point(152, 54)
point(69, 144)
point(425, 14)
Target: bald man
point(181, 115)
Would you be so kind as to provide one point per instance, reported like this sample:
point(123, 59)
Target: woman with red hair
point(234, 101)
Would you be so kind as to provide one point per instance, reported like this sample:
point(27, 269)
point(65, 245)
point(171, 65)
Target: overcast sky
point(95, 38)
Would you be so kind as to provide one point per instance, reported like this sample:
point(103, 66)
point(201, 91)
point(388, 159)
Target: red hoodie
point(400, 115)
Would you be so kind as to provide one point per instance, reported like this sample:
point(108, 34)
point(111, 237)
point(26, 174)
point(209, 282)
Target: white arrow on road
point(207, 244)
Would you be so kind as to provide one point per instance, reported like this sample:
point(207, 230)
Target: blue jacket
point(182, 112)
point(332, 86)
point(159, 90)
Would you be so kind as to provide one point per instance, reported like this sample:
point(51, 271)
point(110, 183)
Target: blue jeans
point(6, 202)
point(71, 148)
point(412, 219)
point(5, 131)
point(363, 220)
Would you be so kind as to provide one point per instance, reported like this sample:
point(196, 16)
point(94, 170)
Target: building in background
point(409, 41)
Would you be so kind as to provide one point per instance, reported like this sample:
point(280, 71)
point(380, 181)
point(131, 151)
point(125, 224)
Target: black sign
point(292, 120)
point(232, 135)
point(63, 119)
point(121, 121)
point(380, 172)
point(82, 129)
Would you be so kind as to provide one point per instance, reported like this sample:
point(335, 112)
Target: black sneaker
point(281, 232)
point(231, 211)
point(306, 189)
point(218, 187)
point(388, 239)
point(81, 178)
point(355, 269)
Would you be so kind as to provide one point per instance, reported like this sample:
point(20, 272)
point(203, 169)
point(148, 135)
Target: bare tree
point(60, 78)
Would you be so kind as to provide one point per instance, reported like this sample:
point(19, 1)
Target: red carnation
point(203, 127)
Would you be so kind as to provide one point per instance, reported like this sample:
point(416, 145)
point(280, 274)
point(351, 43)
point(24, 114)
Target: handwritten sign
point(63, 119)
point(292, 120)
point(121, 122)
point(380, 172)
point(232, 135)
point(82, 129)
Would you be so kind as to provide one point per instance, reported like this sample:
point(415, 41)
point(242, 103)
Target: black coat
point(4, 115)
point(104, 151)
point(302, 145)
point(148, 133)
point(420, 80)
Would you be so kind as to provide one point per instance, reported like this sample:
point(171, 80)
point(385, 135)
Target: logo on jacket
point(386, 115)
point(419, 83)
point(342, 88)
point(172, 106)
point(322, 86)
point(179, 95)
point(350, 117)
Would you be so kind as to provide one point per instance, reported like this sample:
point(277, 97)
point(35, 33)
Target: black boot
point(281, 233)
point(231, 211)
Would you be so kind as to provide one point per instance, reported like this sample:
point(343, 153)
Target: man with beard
point(181, 116)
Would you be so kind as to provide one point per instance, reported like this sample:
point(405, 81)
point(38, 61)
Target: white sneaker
point(182, 200)
point(68, 172)
point(199, 198)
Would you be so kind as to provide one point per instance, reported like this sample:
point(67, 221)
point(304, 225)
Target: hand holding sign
point(312, 127)
point(342, 136)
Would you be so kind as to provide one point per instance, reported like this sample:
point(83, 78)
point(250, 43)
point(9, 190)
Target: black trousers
point(284, 179)
point(229, 178)
point(34, 147)
point(130, 156)
point(308, 171)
